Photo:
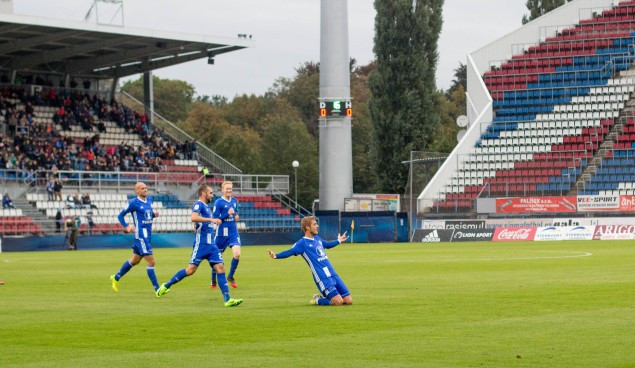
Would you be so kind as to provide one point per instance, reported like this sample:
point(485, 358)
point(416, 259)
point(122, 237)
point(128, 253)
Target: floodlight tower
point(336, 109)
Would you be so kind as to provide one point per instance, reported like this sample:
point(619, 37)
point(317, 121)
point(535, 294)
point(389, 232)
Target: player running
point(311, 248)
point(204, 248)
point(142, 215)
point(226, 209)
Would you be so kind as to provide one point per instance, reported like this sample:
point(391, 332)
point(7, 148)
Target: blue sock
point(124, 270)
point(176, 278)
point(213, 275)
point(224, 288)
point(233, 267)
point(324, 301)
point(153, 277)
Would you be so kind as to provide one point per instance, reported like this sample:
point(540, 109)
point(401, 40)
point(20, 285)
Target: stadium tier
point(93, 144)
point(563, 120)
point(13, 222)
point(257, 213)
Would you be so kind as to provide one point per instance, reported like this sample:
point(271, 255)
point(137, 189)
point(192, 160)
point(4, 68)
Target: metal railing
point(250, 184)
point(125, 180)
point(177, 134)
point(33, 89)
point(293, 205)
point(17, 175)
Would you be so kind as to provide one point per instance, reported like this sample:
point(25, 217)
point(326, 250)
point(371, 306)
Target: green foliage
point(365, 177)
point(285, 140)
point(214, 100)
point(302, 92)
point(436, 305)
point(403, 106)
point(460, 79)
point(246, 111)
point(172, 98)
point(539, 8)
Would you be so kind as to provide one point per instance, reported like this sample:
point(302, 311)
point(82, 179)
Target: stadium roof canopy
point(93, 50)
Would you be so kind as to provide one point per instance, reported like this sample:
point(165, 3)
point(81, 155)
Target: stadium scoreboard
point(336, 108)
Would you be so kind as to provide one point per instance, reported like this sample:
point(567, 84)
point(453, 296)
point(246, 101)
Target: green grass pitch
point(562, 304)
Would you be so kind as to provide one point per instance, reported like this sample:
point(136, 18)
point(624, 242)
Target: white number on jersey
point(326, 271)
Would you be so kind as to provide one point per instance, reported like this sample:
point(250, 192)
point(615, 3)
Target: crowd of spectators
point(30, 146)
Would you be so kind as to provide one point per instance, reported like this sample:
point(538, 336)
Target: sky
point(286, 33)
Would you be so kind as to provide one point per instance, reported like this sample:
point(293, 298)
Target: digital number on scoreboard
point(336, 108)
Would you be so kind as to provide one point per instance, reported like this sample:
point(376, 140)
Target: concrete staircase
point(39, 218)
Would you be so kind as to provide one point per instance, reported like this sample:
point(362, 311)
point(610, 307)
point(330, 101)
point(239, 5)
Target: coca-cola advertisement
point(514, 234)
point(627, 203)
point(536, 204)
point(614, 232)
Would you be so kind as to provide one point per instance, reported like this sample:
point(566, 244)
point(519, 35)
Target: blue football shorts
point(334, 286)
point(142, 247)
point(222, 242)
point(207, 252)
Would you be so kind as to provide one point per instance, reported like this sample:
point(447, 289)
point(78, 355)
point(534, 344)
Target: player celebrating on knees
point(204, 248)
point(226, 209)
point(142, 215)
point(311, 248)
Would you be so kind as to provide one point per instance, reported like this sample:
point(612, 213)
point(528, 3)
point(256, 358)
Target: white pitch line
point(575, 255)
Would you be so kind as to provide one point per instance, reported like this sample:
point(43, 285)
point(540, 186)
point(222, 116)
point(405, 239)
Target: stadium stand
point(13, 222)
point(257, 212)
point(71, 135)
point(77, 131)
point(99, 140)
point(562, 120)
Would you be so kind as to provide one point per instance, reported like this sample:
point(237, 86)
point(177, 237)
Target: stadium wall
point(479, 100)
point(121, 241)
point(527, 233)
point(371, 227)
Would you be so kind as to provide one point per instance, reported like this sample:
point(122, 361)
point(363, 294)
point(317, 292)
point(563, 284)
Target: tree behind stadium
point(402, 104)
point(538, 8)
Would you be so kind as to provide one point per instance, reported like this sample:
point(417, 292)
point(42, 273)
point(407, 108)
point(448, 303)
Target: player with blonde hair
point(311, 247)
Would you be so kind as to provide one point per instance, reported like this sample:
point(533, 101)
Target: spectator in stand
point(12, 121)
point(186, 148)
point(52, 97)
point(91, 223)
point(194, 150)
point(87, 202)
point(57, 188)
point(77, 201)
point(58, 220)
point(70, 202)
point(7, 202)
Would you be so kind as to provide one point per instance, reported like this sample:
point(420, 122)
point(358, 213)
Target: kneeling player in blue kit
point(311, 248)
point(204, 248)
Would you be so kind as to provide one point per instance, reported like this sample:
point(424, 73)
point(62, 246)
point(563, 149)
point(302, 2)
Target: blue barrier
point(329, 224)
point(370, 227)
point(122, 241)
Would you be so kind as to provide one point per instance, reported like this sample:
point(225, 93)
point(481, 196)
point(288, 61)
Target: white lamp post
point(295, 165)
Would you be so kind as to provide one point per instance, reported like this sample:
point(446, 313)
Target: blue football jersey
point(204, 230)
point(312, 250)
point(220, 211)
point(142, 215)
